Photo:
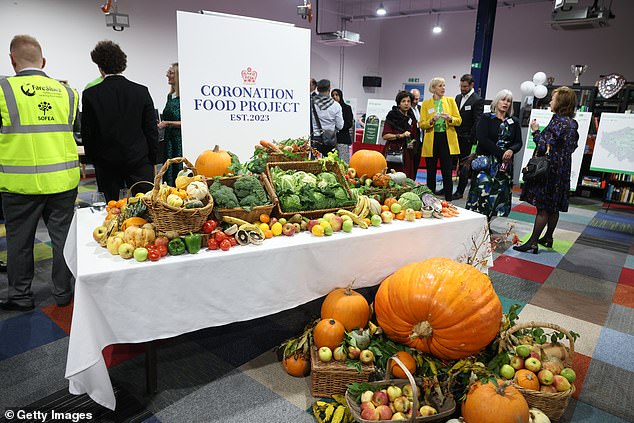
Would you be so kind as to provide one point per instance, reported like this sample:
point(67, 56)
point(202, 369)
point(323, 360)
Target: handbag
point(537, 167)
point(481, 164)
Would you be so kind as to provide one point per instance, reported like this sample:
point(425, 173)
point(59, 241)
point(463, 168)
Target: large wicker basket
point(381, 194)
point(333, 377)
point(241, 213)
point(179, 219)
point(445, 409)
point(552, 404)
point(309, 167)
point(287, 157)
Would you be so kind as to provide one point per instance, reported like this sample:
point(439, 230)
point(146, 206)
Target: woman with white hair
point(439, 117)
point(499, 138)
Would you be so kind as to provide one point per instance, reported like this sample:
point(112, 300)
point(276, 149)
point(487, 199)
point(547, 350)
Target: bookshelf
point(619, 188)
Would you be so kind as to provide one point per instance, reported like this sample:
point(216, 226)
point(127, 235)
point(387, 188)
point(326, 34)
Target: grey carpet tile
point(595, 262)
point(621, 318)
point(512, 287)
point(235, 398)
point(32, 375)
point(581, 284)
point(609, 388)
point(603, 243)
point(571, 226)
point(572, 304)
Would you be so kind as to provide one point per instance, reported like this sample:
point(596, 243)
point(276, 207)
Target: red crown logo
point(249, 76)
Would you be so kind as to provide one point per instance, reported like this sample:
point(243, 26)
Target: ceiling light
point(437, 29)
point(380, 11)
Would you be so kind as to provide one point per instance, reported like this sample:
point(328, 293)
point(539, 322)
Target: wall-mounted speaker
point(372, 81)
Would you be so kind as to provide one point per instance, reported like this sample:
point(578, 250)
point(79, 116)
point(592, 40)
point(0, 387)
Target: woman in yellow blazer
point(439, 117)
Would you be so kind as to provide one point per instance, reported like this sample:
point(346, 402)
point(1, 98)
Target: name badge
point(510, 121)
point(409, 122)
point(430, 111)
point(467, 107)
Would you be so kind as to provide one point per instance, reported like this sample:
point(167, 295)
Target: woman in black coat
point(343, 136)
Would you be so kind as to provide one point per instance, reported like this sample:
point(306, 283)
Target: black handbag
point(537, 168)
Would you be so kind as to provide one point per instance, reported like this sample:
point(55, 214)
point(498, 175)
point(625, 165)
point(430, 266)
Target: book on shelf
point(621, 177)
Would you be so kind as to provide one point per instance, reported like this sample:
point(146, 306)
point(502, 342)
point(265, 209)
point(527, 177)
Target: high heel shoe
point(546, 242)
point(526, 247)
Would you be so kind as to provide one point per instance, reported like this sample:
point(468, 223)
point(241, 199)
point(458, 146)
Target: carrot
point(270, 145)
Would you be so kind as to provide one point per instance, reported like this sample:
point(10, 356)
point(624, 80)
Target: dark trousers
point(22, 214)
point(441, 151)
point(112, 177)
point(463, 173)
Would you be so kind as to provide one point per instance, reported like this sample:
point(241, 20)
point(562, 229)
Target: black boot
point(546, 242)
point(527, 247)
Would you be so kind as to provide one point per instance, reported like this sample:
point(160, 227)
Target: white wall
point(395, 49)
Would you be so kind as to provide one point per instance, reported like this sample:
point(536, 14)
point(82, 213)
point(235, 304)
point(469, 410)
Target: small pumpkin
point(197, 190)
point(328, 333)
point(408, 360)
point(133, 221)
point(398, 177)
point(486, 403)
point(367, 162)
point(346, 306)
point(538, 416)
point(439, 306)
point(174, 200)
point(296, 365)
point(389, 201)
point(526, 379)
point(213, 163)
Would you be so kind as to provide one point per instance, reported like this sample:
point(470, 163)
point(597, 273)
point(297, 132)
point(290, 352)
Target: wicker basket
point(333, 377)
point(179, 219)
point(315, 167)
point(381, 194)
point(552, 404)
point(445, 410)
point(287, 157)
point(248, 215)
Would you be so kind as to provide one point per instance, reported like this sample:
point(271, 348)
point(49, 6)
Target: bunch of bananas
point(362, 209)
point(336, 411)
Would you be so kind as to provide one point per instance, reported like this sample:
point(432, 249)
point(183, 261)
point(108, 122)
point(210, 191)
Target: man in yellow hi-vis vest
point(39, 170)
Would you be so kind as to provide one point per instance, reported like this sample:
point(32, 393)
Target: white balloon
point(527, 87)
point(540, 91)
point(539, 78)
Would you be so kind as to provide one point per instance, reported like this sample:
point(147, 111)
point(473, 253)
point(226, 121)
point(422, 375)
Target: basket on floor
point(241, 213)
point(445, 407)
point(552, 404)
point(333, 377)
point(314, 167)
point(179, 219)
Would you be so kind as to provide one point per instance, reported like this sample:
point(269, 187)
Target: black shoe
point(11, 306)
point(440, 192)
point(526, 248)
point(65, 303)
point(546, 242)
point(457, 196)
point(3, 267)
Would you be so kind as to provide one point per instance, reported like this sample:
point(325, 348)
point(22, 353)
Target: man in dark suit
point(470, 106)
point(118, 125)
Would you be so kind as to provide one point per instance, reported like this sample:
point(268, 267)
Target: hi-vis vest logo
point(45, 106)
point(28, 89)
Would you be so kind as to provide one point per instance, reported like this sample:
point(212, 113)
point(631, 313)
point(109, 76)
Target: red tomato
point(209, 226)
point(153, 254)
point(225, 245)
point(232, 240)
point(150, 247)
point(161, 240)
point(220, 236)
point(212, 244)
point(162, 249)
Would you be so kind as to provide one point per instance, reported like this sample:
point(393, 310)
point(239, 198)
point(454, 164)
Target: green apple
point(396, 208)
point(126, 250)
point(328, 230)
point(346, 217)
point(569, 374)
point(347, 225)
point(376, 220)
point(140, 254)
point(507, 372)
point(282, 221)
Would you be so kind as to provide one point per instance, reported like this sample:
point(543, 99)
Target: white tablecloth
point(124, 301)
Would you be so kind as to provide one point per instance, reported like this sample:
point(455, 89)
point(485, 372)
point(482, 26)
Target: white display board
point(543, 117)
point(241, 80)
point(614, 146)
point(375, 114)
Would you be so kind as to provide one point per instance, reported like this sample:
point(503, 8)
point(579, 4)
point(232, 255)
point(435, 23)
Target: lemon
point(318, 230)
point(264, 227)
point(325, 224)
point(277, 229)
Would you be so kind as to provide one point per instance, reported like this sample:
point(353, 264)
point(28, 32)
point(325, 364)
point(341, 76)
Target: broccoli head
point(249, 187)
point(223, 196)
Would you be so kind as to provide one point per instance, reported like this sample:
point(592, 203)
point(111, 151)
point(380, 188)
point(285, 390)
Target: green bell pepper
point(176, 247)
point(193, 242)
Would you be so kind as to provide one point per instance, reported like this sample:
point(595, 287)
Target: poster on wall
point(614, 147)
point(375, 114)
point(234, 100)
point(543, 117)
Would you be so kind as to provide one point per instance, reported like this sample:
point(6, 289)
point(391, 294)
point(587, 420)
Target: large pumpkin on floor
point(439, 306)
point(348, 307)
point(367, 162)
point(486, 403)
point(296, 365)
point(328, 333)
point(213, 163)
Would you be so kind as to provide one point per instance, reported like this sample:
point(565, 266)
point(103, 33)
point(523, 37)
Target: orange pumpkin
point(297, 366)
point(368, 162)
point(439, 306)
point(328, 333)
point(389, 201)
point(348, 307)
point(526, 379)
point(214, 162)
point(408, 360)
point(486, 403)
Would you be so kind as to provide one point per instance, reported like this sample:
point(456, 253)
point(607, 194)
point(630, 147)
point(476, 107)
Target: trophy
point(577, 71)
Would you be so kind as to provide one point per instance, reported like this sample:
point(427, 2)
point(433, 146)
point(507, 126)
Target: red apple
point(385, 412)
point(548, 388)
point(288, 229)
point(366, 356)
point(545, 377)
point(336, 222)
point(353, 353)
point(533, 364)
point(561, 383)
point(517, 362)
point(340, 354)
point(99, 232)
point(380, 398)
point(311, 223)
point(369, 414)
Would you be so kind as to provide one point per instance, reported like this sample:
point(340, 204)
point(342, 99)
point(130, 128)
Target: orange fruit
point(400, 215)
point(384, 208)
point(268, 234)
point(408, 360)
point(419, 214)
point(265, 218)
point(112, 203)
point(367, 221)
point(121, 203)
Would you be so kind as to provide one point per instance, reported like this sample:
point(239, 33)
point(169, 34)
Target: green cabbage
point(409, 200)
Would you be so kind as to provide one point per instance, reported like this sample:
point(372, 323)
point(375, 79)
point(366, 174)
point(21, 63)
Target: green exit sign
point(476, 65)
point(413, 80)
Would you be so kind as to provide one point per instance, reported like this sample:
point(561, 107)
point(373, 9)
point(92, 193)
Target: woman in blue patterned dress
point(171, 122)
point(499, 138)
point(559, 139)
